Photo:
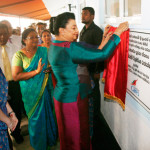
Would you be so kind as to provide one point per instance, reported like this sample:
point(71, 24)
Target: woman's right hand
point(121, 28)
point(105, 40)
point(40, 66)
point(107, 28)
point(11, 124)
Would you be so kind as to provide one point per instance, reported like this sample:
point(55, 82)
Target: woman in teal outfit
point(70, 96)
point(28, 67)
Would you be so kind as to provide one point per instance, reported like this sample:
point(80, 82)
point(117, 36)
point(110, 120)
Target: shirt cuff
point(115, 38)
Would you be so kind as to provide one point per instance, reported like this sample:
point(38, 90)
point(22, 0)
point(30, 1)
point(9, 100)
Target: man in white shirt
point(7, 50)
point(11, 50)
point(13, 39)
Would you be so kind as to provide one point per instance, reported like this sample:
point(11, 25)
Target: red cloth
point(53, 80)
point(116, 71)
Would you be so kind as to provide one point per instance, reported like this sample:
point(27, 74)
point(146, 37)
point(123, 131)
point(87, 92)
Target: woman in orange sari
point(46, 39)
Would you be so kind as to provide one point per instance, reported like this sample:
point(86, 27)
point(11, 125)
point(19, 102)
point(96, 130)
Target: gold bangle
point(36, 71)
point(117, 33)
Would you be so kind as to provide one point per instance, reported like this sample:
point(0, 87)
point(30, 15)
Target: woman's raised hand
point(107, 28)
point(40, 66)
point(121, 28)
point(106, 36)
point(105, 39)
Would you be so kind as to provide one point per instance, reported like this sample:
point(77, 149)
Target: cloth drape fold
point(116, 71)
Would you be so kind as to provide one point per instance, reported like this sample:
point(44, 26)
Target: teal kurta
point(70, 96)
point(65, 56)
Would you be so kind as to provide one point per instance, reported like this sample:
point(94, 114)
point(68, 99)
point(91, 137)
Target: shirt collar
point(56, 41)
point(90, 27)
point(8, 44)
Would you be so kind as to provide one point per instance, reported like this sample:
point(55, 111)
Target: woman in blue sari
point(28, 67)
point(7, 116)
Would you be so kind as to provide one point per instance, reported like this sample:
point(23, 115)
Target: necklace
point(28, 51)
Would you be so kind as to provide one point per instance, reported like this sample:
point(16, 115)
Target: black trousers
point(10, 142)
point(15, 102)
point(96, 114)
point(96, 101)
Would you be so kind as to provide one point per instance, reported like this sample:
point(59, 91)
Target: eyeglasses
point(31, 38)
point(46, 36)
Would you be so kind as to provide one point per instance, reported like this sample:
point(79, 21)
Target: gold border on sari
point(40, 95)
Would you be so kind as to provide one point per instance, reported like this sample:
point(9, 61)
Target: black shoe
point(19, 139)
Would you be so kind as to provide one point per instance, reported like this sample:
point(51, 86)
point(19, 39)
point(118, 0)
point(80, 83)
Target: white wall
point(56, 7)
point(59, 6)
point(132, 126)
point(145, 14)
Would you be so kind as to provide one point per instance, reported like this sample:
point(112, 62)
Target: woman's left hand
point(48, 70)
point(14, 121)
point(14, 118)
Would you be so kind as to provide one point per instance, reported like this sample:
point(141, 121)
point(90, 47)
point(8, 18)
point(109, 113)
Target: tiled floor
point(26, 143)
point(103, 139)
point(24, 131)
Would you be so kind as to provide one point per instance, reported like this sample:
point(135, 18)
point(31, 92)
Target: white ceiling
point(54, 5)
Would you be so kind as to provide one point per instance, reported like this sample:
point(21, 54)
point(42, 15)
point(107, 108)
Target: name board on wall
point(139, 67)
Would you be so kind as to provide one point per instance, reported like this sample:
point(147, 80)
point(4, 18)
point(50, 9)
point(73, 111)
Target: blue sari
point(38, 104)
point(4, 144)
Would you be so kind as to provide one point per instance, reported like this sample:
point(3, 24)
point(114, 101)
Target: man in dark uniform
point(93, 35)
